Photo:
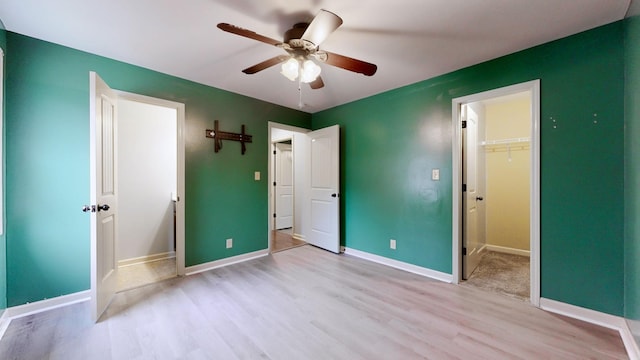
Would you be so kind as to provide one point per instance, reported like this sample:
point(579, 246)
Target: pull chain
point(300, 104)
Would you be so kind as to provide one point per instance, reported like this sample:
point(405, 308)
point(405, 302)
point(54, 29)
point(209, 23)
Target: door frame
point(534, 237)
point(180, 204)
point(271, 176)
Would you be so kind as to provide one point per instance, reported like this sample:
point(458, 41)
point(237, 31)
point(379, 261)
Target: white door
point(324, 197)
point(284, 186)
point(104, 195)
point(471, 233)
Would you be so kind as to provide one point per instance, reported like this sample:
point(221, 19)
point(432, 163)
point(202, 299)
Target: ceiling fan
point(302, 42)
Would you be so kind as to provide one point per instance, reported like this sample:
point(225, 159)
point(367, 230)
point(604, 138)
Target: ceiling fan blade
point(350, 64)
point(317, 83)
point(266, 64)
point(321, 27)
point(247, 33)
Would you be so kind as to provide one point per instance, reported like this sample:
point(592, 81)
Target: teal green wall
point(47, 130)
point(392, 141)
point(3, 245)
point(632, 165)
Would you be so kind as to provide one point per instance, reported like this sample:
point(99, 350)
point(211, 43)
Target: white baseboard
point(146, 259)
point(437, 275)
point(299, 237)
point(40, 306)
point(630, 343)
point(634, 333)
point(4, 323)
point(191, 270)
point(595, 317)
point(634, 326)
point(507, 250)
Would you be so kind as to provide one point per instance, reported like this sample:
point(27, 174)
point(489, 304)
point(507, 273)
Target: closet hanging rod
point(505, 141)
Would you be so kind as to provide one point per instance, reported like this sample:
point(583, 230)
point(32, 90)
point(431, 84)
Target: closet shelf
point(505, 141)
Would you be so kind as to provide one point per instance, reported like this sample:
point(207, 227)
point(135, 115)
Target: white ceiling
point(409, 40)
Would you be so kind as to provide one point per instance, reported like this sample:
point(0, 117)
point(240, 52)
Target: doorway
point(496, 191)
point(104, 190)
point(286, 190)
point(315, 157)
point(147, 174)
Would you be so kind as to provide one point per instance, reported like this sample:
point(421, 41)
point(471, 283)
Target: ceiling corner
point(634, 9)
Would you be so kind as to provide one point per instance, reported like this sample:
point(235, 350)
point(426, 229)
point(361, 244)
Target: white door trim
point(180, 204)
point(534, 88)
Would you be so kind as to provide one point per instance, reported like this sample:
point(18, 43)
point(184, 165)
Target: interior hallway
point(284, 240)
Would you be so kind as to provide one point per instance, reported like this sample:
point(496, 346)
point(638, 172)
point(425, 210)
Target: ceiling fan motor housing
point(295, 33)
point(293, 37)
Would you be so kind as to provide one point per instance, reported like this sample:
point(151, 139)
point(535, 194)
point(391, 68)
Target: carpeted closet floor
point(502, 273)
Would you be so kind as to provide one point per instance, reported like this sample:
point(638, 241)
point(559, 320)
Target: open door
point(471, 236)
point(104, 195)
point(284, 185)
point(324, 197)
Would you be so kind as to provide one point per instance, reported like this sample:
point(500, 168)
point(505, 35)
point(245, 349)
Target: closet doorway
point(496, 206)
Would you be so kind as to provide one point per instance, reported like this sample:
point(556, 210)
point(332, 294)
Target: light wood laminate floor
point(307, 303)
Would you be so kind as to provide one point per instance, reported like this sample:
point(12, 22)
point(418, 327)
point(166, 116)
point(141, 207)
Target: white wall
point(508, 174)
point(301, 146)
point(147, 173)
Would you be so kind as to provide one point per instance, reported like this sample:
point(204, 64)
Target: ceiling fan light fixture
point(310, 71)
point(301, 43)
point(290, 69)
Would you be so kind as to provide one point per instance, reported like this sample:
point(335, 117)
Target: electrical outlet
point(392, 244)
point(229, 243)
point(256, 176)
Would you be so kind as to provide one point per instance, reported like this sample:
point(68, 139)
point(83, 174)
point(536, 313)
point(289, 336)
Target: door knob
point(103, 207)
point(479, 198)
point(334, 195)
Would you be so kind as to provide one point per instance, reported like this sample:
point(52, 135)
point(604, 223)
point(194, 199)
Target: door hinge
point(464, 187)
point(274, 183)
point(274, 215)
point(274, 152)
point(464, 251)
point(464, 124)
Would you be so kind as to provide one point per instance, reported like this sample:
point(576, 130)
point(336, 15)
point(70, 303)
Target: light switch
point(435, 174)
point(256, 175)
